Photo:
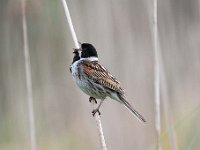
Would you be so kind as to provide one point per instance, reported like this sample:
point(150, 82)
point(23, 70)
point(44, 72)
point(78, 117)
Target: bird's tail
point(131, 109)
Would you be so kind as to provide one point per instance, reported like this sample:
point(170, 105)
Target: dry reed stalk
point(76, 43)
point(28, 80)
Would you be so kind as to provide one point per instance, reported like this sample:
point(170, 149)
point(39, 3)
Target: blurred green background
point(122, 34)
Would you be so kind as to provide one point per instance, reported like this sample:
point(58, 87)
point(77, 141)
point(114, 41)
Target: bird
point(96, 81)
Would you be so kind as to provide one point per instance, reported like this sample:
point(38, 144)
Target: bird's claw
point(96, 111)
point(92, 99)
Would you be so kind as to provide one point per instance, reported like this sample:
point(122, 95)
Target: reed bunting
point(95, 80)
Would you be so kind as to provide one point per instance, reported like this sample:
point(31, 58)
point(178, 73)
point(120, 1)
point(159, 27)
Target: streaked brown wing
point(100, 75)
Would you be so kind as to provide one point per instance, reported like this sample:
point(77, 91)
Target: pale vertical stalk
point(76, 43)
point(28, 79)
point(100, 129)
point(166, 107)
point(156, 76)
point(71, 27)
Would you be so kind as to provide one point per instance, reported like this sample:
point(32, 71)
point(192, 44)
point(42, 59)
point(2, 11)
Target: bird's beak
point(76, 50)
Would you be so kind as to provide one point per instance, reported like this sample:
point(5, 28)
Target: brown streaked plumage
point(100, 75)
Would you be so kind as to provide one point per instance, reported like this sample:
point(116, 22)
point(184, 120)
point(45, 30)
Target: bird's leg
point(97, 109)
point(92, 99)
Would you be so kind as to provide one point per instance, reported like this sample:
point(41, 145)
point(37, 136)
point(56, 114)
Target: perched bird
point(95, 80)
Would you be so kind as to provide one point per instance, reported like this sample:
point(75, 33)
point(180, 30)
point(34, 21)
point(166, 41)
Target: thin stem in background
point(156, 76)
point(28, 79)
point(168, 115)
point(97, 117)
point(159, 77)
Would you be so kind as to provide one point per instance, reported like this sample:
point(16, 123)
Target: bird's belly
point(91, 89)
point(86, 85)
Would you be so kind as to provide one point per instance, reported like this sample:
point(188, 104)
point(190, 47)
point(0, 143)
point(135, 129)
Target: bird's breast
point(74, 69)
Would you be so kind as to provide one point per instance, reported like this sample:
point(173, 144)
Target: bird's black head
point(76, 55)
point(88, 50)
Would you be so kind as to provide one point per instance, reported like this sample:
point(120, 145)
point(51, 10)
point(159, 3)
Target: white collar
point(90, 59)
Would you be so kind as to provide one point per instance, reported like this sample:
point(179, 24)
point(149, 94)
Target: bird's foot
point(92, 99)
point(96, 111)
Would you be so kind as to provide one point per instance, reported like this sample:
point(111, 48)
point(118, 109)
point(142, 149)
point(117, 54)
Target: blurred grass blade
point(156, 76)
point(28, 79)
